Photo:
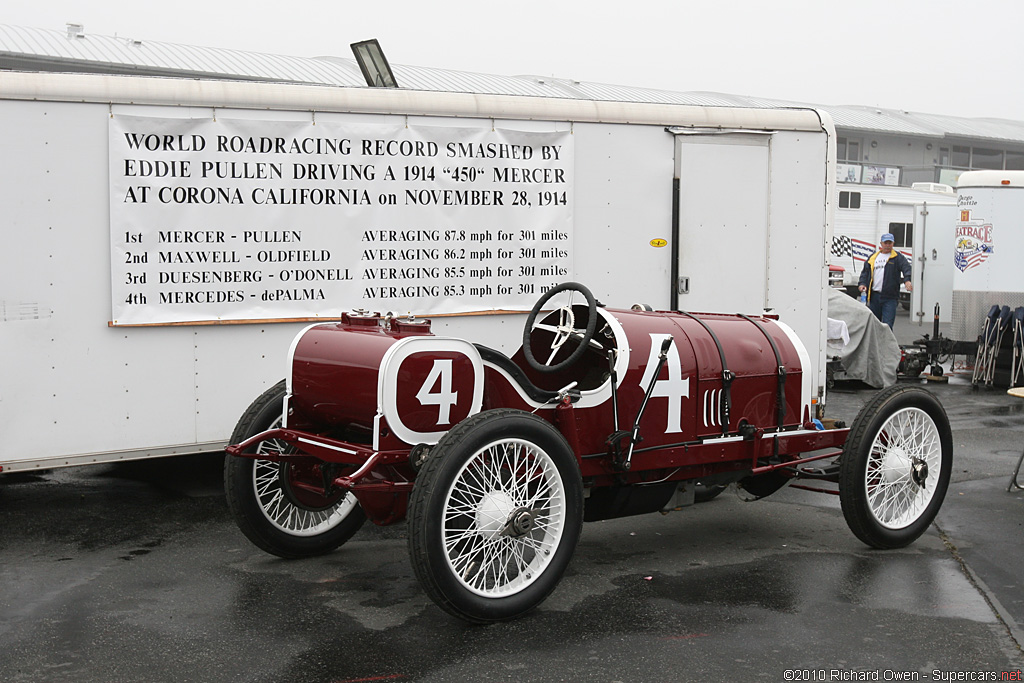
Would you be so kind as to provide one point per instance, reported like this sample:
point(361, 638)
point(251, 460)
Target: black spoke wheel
point(895, 467)
point(561, 324)
point(276, 504)
point(495, 516)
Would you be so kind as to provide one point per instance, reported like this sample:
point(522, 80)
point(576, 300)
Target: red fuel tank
point(720, 371)
point(334, 367)
point(763, 362)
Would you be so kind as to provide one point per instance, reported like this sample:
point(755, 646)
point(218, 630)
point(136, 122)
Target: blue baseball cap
point(887, 237)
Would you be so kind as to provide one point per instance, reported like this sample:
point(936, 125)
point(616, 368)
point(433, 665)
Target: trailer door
point(933, 265)
point(721, 226)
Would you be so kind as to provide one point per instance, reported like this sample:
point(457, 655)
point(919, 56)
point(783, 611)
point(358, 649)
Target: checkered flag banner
point(841, 246)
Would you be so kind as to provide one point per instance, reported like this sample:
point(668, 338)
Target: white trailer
point(988, 241)
point(162, 247)
point(920, 218)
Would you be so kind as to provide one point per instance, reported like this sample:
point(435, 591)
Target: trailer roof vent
point(933, 187)
point(75, 31)
point(374, 64)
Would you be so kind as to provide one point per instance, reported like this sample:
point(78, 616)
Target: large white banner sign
point(232, 220)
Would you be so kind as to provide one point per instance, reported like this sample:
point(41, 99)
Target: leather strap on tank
point(727, 376)
point(780, 397)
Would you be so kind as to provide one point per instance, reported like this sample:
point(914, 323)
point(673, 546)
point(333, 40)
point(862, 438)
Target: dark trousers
point(883, 308)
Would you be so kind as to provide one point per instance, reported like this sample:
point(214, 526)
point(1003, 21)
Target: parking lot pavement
point(135, 572)
point(980, 520)
point(909, 329)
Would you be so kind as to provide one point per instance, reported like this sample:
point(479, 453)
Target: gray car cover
point(872, 354)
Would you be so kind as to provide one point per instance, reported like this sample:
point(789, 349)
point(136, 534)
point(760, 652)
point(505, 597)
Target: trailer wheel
point(895, 467)
point(276, 515)
point(495, 515)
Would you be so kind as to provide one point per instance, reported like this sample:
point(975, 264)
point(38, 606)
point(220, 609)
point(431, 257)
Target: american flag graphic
point(843, 245)
point(861, 250)
point(965, 259)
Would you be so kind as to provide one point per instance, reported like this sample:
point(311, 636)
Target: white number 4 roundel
point(428, 384)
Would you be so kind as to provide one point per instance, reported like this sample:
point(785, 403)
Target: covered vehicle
point(872, 354)
point(496, 461)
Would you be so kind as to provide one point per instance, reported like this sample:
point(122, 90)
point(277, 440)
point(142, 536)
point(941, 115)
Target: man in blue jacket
point(881, 278)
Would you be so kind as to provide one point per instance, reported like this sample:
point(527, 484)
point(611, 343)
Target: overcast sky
point(963, 57)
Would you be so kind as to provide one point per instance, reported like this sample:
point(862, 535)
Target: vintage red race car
point(602, 413)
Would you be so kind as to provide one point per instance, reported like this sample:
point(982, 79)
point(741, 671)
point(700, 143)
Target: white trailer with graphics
point(983, 240)
point(165, 239)
point(988, 243)
point(920, 218)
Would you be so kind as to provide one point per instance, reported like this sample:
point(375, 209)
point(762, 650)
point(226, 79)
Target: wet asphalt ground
point(135, 572)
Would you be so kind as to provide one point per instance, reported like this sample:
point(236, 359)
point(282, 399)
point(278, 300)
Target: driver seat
point(500, 360)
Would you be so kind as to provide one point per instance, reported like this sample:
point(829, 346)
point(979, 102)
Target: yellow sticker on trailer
point(658, 242)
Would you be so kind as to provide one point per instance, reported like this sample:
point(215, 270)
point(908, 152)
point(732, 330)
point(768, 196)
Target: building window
point(987, 158)
point(849, 200)
point(903, 234)
point(965, 157)
point(847, 150)
point(961, 157)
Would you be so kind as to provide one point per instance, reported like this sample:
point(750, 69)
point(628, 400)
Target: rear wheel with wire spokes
point(276, 504)
point(895, 467)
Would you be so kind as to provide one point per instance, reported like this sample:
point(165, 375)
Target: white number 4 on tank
point(444, 398)
point(674, 388)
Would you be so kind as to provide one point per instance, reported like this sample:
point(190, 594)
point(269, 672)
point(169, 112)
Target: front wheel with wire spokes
point(276, 504)
point(895, 467)
point(495, 515)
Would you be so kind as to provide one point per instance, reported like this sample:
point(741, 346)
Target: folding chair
point(986, 345)
point(1013, 480)
point(1005, 318)
point(1017, 366)
point(1019, 393)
